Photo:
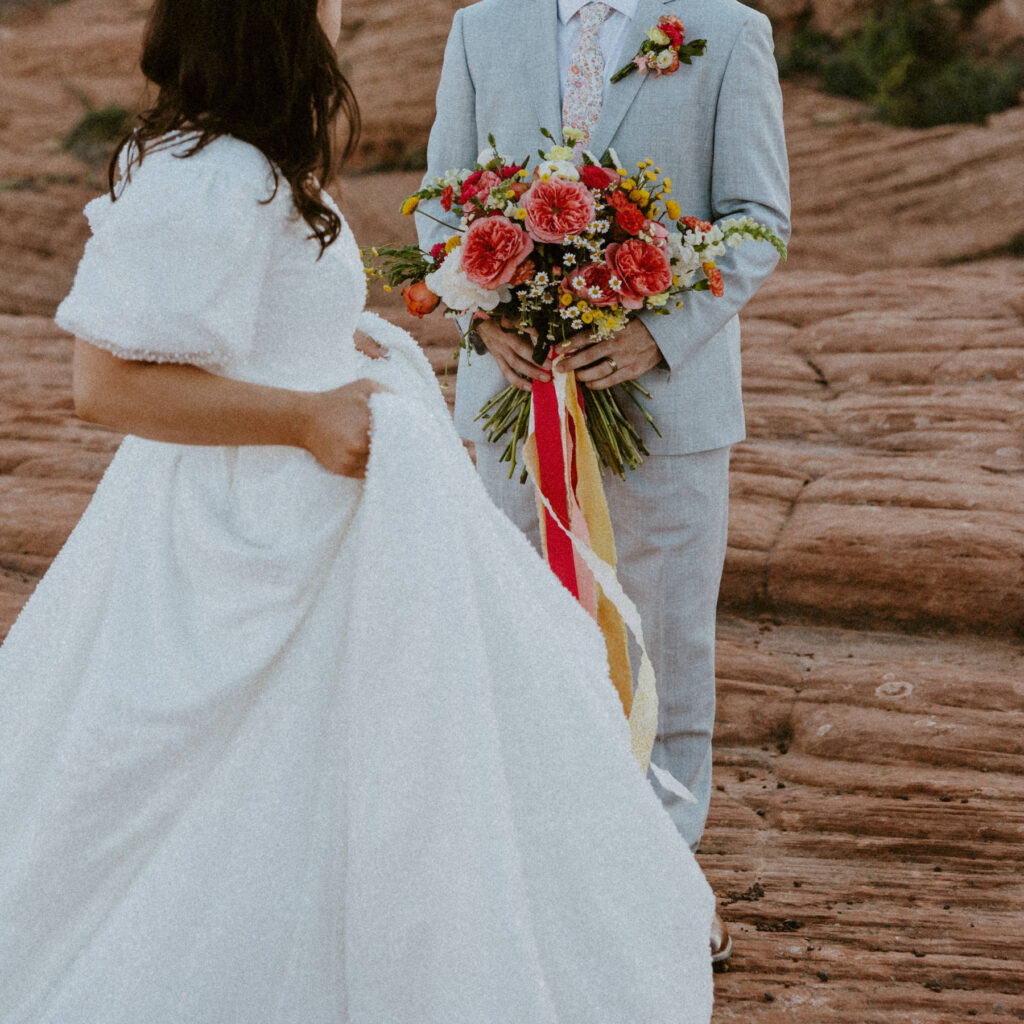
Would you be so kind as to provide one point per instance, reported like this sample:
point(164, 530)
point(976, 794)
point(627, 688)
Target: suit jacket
point(714, 127)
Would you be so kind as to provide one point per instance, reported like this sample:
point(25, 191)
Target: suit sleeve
point(750, 177)
point(453, 137)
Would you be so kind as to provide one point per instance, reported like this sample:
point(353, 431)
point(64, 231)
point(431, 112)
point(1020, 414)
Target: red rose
point(492, 249)
point(469, 186)
point(438, 253)
point(593, 284)
point(598, 177)
point(447, 198)
point(479, 183)
point(419, 299)
point(641, 268)
point(628, 215)
point(673, 28)
point(557, 208)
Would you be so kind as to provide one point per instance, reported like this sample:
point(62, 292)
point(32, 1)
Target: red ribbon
point(551, 466)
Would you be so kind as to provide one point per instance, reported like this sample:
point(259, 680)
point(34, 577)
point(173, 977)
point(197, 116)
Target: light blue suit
point(715, 127)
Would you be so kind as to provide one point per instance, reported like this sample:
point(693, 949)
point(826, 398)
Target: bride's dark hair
point(262, 71)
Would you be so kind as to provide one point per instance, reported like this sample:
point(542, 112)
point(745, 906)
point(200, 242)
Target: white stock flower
point(681, 255)
point(486, 156)
point(663, 59)
point(456, 290)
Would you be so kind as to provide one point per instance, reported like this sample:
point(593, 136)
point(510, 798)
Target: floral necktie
point(585, 82)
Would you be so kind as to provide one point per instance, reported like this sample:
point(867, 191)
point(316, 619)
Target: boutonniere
point(663, 50)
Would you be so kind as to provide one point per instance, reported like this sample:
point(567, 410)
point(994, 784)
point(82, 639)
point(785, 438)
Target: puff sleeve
point(175, 266)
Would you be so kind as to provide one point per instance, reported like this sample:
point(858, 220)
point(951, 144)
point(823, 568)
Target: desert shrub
point(909, 62)
point(808, 49)
point(97, 133)
point(960, 91)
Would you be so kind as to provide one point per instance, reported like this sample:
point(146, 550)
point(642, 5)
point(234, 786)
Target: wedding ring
point(611, 362)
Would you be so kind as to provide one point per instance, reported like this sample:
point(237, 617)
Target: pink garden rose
point(492, 249)
point(593, 284)
point(557, 208)
point(659, 233)
point(643, 269)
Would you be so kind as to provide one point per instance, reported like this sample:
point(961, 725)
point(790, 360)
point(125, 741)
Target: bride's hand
point(336, 429)
point(365, 344)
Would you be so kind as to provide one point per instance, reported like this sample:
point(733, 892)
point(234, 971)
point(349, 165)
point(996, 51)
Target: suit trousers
point(670, 519)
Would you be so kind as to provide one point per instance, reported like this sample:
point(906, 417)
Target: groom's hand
point(626, 355)
point(513, 353)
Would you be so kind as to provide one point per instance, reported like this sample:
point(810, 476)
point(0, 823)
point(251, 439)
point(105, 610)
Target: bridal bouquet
point(573, 244)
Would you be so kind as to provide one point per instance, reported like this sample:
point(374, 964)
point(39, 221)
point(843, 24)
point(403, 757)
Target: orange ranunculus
point(419, 299)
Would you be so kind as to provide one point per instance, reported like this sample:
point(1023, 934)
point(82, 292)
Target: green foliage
point(1015, 246)
point(909, 62)
point(961, 91)
point(94, 137)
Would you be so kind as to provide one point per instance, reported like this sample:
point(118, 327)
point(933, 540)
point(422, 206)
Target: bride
point(298, 729)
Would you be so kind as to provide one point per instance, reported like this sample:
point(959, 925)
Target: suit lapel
point(620, 95)
point(538, 32)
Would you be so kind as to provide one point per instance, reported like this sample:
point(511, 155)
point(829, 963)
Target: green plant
point(909, 61)
point(94, 137)
point(807, 48)
point(958, 92)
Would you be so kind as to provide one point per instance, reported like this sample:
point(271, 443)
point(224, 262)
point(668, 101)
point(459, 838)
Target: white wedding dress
point(280, 747)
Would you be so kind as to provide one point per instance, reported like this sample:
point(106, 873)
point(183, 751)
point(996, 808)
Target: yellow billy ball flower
point(640, 196)
point(650, 175)
point(566, 299)
point(673, 209)
point(520, 214)
point(410, 205)
point(629, 183)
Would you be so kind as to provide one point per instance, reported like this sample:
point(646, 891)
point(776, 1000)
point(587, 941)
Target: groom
point(715, 128)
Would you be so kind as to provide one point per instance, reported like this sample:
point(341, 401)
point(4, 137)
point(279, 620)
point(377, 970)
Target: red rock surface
point(867, 821)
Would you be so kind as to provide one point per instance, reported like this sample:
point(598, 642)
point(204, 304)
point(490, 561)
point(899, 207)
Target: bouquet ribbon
point(580, 548)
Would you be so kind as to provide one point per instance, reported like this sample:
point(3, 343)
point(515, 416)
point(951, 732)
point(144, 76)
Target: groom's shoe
point(721, 941)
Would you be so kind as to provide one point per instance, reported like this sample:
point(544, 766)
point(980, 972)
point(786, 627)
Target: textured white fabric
point(279, 747)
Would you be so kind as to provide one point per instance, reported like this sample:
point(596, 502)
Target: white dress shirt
point(611, 35)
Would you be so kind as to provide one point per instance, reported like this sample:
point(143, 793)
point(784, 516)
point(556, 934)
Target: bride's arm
point(187, 405)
